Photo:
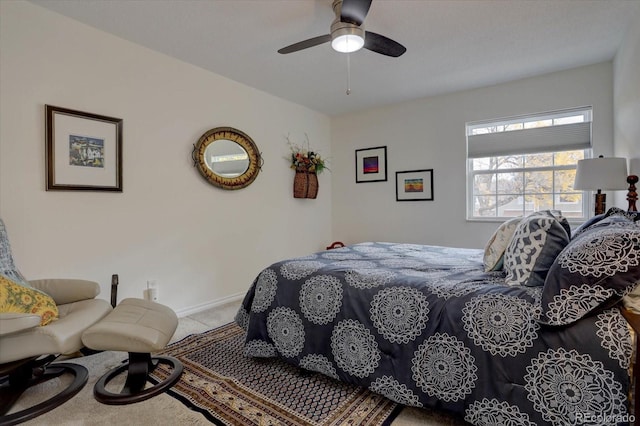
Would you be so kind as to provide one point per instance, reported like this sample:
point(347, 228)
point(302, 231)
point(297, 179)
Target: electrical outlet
point(151, 292)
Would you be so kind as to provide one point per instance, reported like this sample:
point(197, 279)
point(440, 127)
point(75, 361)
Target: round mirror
point(227, 158)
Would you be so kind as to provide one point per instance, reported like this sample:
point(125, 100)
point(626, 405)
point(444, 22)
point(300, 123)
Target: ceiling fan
point(348, 34)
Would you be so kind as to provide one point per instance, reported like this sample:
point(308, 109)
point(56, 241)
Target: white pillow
point(494, 249)
point(632, 300)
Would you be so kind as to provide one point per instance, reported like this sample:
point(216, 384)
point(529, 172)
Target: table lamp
point(597, 174)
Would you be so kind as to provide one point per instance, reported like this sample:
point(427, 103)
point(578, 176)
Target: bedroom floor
point(215, 317)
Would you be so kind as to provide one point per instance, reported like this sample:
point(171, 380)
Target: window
point(520, 165)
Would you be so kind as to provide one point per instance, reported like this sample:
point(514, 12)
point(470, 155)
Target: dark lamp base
point(601, 203)
point(632, 195)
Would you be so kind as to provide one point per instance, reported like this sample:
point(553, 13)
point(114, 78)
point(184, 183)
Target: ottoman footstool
point(138, 327)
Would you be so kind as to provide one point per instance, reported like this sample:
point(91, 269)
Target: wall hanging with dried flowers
point(307, 165)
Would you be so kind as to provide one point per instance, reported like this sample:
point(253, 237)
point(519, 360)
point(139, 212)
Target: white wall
point(430, 134)
point(202, 244)
point(627, 103)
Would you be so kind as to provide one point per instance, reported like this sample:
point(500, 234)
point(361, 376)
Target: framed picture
point(83, 150)
point(371, 164)
point(414, 185)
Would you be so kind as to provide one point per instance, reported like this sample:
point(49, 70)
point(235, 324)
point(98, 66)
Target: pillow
point(536, 242)
point(613, 211)
point(7, 267)
point(587, 224)
point(631, 300)
point(594, 271)
point(558, 215)
point(17, 298)
point(494, 249)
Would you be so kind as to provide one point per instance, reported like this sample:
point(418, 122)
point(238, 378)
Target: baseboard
point(208, 305)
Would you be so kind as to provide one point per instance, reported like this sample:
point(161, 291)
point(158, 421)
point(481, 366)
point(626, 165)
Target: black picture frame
point(83, 151)
point(371, 164)
point(414, 185)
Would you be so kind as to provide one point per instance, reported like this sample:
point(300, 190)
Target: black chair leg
point(138, 368)
point(31, 374)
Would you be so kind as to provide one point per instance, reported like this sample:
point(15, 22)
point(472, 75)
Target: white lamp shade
point(601, 173)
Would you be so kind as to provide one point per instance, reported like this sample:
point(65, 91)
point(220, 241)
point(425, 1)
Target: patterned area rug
point(231, 389)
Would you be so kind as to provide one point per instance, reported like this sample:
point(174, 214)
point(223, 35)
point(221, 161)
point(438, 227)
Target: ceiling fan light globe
point(346, 38)
point(347, 43)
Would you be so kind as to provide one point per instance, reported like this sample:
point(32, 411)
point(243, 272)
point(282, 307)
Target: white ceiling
point(451, 44)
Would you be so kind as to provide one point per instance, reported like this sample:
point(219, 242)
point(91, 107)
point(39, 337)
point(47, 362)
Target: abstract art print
point(371, 164)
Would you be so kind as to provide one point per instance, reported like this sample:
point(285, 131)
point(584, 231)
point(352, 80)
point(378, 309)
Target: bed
point(528, 331)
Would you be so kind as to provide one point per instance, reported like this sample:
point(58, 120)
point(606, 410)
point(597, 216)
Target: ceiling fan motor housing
point(344, 28)
point(345, 36)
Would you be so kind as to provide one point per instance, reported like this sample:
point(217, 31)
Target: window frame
point(519, 124)
point(471, 173)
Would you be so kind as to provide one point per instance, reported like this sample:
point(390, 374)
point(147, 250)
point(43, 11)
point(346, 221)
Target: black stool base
point(138, 368)
point(28, 375)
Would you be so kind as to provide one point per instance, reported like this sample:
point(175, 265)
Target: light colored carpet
point(83, 409)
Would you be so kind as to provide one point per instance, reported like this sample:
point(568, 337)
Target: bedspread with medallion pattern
point(427, 327)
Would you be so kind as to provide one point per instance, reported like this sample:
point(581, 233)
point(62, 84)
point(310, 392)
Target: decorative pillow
point(631, 300)
point(613, 211)
point(494, 250)
point(594, 271)
point(7, 267)
point(587, 224)
point(17, 298)
point(536, 242)
point(558, 215)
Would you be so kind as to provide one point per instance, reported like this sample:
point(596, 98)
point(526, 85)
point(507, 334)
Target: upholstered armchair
point(40, 321)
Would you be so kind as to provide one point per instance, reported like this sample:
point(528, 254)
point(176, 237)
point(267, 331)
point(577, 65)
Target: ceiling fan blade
point(383, 45)
point(354, 11)
point(305, 44)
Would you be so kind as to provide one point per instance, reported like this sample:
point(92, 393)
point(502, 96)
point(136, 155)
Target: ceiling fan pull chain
point(348, 73)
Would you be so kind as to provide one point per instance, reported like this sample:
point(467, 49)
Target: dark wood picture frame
point(83, 151)
point(371, 164)
point(414, 185)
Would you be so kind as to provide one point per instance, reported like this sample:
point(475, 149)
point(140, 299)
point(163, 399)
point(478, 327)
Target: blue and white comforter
point(426, 327)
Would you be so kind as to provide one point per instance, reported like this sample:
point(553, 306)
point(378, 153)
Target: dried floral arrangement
point(304, 158)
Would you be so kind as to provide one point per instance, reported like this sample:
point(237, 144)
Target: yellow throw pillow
point(16, 298)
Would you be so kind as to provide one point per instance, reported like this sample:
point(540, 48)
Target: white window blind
point(565, 130)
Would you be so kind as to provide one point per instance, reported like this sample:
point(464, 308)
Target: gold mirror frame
point(234, 135)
